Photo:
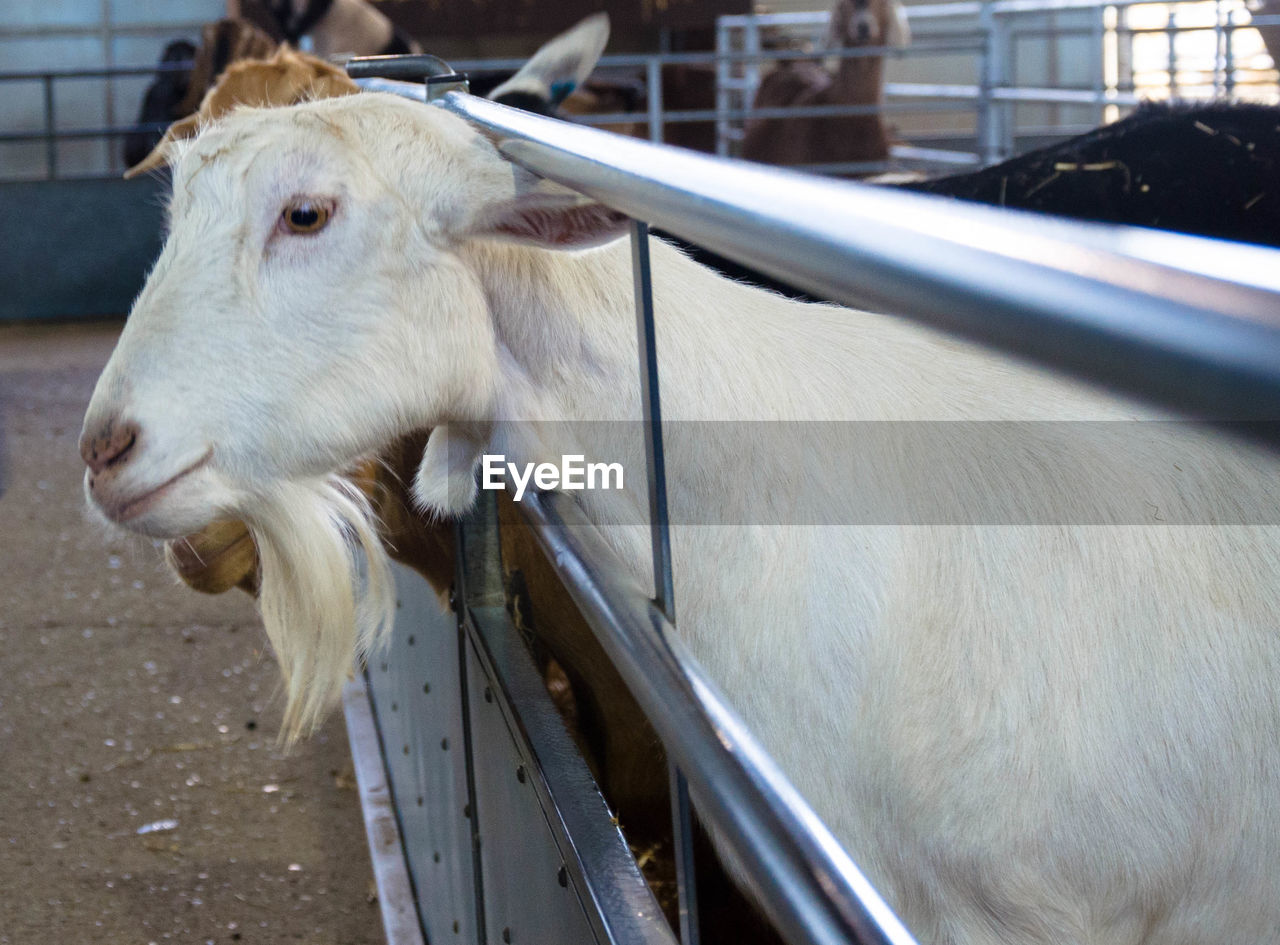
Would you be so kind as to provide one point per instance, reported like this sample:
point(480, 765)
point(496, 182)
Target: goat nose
point(109, 446)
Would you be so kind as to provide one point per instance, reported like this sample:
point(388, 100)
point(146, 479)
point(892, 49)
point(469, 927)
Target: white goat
point(1061, 734)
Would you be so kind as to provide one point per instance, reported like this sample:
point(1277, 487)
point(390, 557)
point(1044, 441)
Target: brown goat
point(856, 81)
point(286, 78)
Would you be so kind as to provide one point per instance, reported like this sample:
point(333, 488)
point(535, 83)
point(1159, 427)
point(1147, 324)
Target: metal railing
point(1187, 323)
point(991, 30)
point(982, 105)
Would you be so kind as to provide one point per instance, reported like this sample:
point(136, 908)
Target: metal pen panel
point(525, 900)
point(1189, 323)
point(417, 696)
point(574, 858)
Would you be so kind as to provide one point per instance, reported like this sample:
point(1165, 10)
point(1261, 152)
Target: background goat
point(336, 27)
point(800, 83)
point(1042, 733)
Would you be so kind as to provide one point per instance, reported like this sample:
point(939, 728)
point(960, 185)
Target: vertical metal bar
point(722, 87)
point(664, 592)
point(1171, 32)
point(108, 86)
point(750, 69)
point(1228, 53)
point(989, 117)
point(472, 812)
point(477, 582)
point(653, 79)
point(682, 844)
point(50, 128)
point(1098, 61)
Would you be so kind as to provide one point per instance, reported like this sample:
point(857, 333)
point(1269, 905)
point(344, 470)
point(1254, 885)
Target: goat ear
point(552, 221)
point(445, 483)
point(563, 64)
point(183, 128)
point(898, 31)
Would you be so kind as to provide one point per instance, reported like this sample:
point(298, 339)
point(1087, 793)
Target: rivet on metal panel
point(455, 926)
point(453, 598)
point(506, 935)
point(426, 687)
point(395, 707)
point(466, 811)
point(520, 773)
point(562, 877)
point(420, 799)
point(444, 744)
point(435, 856)
point(406, 749)
point(488, 694)
point(399, 604)
point(411, 640)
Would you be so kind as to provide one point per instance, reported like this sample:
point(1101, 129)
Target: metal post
point(653, 79)
point(50, 128)
point(1171, 31)
point(1228, 53)
point(108, 85)
point(1099, 60)
point(990, 115)
point(750, 78)
point(664, 589)
point(477, 582)
point(723, 47)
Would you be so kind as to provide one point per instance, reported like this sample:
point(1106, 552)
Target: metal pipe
point(660, 542)
point(1192, 324)
point(653, 93)
point(50, 129)
point(722, 87)
point(807, 885)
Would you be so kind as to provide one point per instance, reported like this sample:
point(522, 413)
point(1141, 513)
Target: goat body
point(1023, 732)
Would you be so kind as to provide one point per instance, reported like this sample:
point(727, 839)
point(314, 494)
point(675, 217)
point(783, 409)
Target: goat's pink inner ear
point(552, 222)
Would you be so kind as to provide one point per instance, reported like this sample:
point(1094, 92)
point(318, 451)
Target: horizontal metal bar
point(795, 111)
point(820, 18)
point(1189, 323)
point(396, 900)
point(1064, 96)
point(805, 882)
point(109, 72)
point(75, 134)
point(907, 152)
point(97, 30)
point(931, 90)
point(962, 8)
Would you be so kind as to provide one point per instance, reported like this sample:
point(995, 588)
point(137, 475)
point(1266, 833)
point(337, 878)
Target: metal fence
point(1189, 324)
point(982, 79)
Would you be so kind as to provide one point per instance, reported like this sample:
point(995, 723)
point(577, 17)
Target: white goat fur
point(1023, 734)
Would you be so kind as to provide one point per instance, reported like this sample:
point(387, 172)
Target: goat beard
point(327, 597)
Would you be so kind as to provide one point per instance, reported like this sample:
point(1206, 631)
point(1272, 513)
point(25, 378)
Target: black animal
point(161, 102)
point(1207, 170)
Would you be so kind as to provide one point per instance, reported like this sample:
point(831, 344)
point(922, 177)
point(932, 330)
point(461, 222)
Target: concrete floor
point(127, 700)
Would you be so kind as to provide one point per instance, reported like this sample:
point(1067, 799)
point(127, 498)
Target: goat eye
point(305, 216)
